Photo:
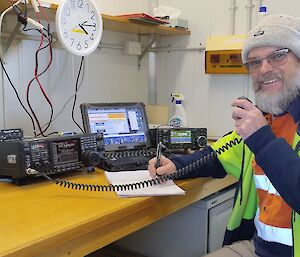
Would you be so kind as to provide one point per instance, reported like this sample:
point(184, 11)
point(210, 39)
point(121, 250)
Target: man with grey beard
point(263, 151)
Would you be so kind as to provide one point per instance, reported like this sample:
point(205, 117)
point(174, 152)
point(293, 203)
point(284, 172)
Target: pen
point(158, 154)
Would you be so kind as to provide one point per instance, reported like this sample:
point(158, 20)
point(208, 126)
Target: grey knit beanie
point(274, 30)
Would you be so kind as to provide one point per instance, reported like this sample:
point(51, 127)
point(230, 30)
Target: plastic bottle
point(262, 13)
point(179, 118)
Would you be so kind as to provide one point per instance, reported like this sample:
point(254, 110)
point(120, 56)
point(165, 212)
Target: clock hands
point(82, 29)
point(81, 26)
point(87, 25)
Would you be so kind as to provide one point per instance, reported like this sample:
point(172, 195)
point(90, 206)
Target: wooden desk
point(43, 219)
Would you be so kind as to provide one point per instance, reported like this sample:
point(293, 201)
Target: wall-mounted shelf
point(124, 25)
point(120, 24)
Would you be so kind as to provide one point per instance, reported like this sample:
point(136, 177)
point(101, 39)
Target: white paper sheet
point(128, 177)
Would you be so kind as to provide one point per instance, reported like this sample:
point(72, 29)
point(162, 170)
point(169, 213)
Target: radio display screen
point(66, 151)
point(181, 136)
point(38, 146)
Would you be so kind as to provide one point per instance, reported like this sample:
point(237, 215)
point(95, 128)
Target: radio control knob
point(37, 165)
point(91, 158)
point(201, 141)
point(99, 137)
point(47, 164)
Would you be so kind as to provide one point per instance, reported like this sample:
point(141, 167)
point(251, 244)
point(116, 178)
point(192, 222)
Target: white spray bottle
point(179, 118)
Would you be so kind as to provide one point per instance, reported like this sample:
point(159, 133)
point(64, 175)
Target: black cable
point(242, 174)
point(70, 98)
point(158, 180)
point(18, 97)
point(75, 96)
point(52, 112)
point(53, 133)
point(49, 37)
point(110, 187)
point(22, 18)
point(45, 96)
point(18, 11)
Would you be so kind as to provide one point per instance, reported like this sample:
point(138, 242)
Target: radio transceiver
point(180, 138)
point(51, 155)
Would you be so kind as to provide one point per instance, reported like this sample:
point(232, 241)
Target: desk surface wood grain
point(43, 219)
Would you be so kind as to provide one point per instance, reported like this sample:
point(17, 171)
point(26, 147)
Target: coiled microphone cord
point(105, 188)
point(142, 184)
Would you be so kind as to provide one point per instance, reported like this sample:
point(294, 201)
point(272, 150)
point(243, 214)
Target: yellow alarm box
point(223, 55)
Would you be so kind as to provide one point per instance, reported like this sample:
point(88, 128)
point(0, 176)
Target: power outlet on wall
point(132, 48)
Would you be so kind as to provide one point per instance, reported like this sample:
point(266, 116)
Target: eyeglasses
point(276, 58)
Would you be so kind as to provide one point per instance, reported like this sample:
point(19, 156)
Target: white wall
point(109, 75)
point(208, 97)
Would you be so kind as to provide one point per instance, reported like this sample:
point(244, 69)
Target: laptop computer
point(125, 133)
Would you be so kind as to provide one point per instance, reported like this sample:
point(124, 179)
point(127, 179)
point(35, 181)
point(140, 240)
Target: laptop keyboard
point(127, 160)
point(130, 153)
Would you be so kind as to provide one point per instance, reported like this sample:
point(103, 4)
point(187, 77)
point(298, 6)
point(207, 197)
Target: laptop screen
point(124, 125)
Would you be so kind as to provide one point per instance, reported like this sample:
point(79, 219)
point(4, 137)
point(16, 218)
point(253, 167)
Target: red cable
point(42, 9)
point(36, 75)
point(50, 61)
point(28, 87)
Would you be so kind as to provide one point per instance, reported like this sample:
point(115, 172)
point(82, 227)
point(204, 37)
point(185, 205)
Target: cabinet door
point(218, 218)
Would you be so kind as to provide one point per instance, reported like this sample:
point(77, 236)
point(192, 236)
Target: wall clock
point(79, 26)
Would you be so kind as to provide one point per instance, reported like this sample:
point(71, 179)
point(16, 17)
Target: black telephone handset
point(244, 98)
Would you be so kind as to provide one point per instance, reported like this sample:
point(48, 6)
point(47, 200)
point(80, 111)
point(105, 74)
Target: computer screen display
point(124, 125)
point(181, 136)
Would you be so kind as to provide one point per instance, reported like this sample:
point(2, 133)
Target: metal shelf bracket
point(141, 56)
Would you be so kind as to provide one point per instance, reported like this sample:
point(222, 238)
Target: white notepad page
point(127, 177)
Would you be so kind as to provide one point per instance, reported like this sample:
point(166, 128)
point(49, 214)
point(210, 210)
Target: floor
point(113, 251)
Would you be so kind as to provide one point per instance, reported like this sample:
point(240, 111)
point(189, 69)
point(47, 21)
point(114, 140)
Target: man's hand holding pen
point(160, 165)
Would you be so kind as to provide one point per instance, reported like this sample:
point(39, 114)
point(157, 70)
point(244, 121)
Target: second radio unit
point(182, 138)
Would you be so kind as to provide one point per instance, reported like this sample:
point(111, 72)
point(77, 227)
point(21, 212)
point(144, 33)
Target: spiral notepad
point(127, 177)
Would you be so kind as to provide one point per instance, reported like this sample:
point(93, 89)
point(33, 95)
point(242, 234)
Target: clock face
point(79, 26)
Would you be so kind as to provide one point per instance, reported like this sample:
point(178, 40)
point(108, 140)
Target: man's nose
point(266, 66)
